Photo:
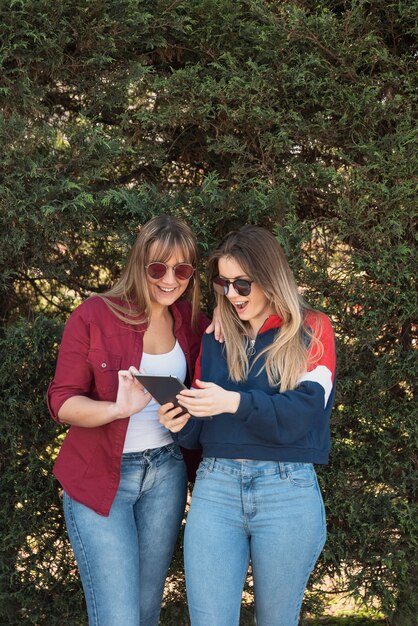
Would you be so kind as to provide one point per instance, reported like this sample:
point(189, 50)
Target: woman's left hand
point(208, 399)
point(170, 417)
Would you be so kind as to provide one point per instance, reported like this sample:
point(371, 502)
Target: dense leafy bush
point(295, 115)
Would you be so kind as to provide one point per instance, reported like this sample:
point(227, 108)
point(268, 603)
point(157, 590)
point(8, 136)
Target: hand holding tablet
point(163, 388)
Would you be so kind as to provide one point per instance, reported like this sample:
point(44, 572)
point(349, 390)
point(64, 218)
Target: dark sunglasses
point(241, 286)
point(157, 269)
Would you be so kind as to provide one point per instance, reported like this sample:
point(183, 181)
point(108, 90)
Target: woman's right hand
point(168, 415)
point(131, 397)
point(83, 411)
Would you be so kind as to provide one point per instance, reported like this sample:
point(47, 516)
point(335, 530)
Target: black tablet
point(163, 388)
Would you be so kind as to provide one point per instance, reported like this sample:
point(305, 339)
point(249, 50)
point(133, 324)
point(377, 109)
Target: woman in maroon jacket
point(123, 477)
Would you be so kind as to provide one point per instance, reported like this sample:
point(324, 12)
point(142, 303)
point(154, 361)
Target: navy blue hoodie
point(268, 425)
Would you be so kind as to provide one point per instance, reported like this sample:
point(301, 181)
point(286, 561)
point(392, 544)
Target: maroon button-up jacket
point(95, 345)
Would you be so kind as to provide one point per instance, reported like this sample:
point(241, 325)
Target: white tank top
point(144, 429)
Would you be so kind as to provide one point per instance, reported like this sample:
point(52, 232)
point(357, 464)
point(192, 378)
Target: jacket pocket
point(105, 367)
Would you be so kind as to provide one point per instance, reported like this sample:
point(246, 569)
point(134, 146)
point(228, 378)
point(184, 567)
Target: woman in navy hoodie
point(259, 409)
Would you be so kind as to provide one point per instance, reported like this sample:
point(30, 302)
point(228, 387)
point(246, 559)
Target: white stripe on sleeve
point(321, 375)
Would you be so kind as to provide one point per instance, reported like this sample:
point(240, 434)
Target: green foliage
point(294, 115)
point(344, 621)
point(39, 581)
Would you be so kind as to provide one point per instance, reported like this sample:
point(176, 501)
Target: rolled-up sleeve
point(73, 374)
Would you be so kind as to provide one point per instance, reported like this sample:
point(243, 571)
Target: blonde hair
point(259, 254)
point(167, 233)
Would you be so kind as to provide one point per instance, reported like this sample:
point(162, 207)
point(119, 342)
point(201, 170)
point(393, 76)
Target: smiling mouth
point(167, 289)
point(240, 306)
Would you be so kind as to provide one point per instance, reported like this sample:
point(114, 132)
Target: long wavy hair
point(261, 257)
point(168, 234)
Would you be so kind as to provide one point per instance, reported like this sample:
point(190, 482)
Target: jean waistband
point(150, 453)
point(252, 467)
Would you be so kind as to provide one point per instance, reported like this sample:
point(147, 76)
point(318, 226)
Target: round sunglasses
point(241, 286)
point(157, 270)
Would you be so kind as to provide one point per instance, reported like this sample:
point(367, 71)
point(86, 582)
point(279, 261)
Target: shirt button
point(104, 365)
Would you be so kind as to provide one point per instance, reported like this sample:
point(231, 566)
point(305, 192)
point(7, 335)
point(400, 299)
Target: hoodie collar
point(273, 321)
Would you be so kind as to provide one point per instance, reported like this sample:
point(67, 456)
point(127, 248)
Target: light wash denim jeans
point(268, 512)
point(123, 559)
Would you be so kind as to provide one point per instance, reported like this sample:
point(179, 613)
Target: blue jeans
point(268, 512)
point(123, 559)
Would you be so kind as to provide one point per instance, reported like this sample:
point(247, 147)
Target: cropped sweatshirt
point(291, 426)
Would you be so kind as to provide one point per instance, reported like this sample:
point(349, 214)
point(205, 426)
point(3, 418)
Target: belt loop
point(282, 470)
point(211, 464)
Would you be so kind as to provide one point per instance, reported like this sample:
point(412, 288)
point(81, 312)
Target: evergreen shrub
point(298, 116)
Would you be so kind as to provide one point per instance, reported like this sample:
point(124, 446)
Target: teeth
point(167, 290)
